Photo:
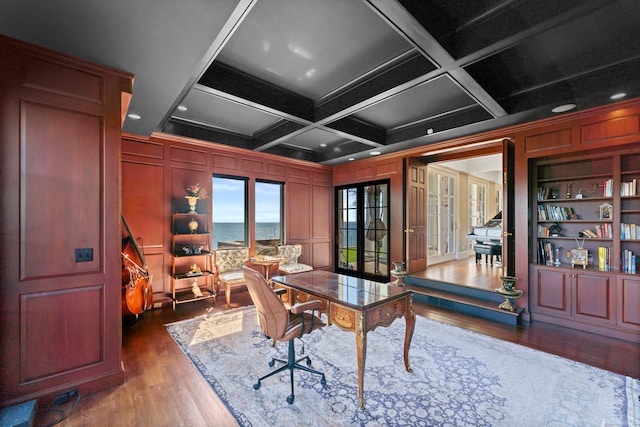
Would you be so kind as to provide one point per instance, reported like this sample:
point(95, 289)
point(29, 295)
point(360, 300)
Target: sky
point(228, 201)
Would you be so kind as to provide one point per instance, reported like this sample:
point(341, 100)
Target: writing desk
point(354, 304)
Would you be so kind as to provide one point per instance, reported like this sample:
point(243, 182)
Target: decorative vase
point(192, 203)
point(508, 282)
point(398, 266)
point(398, 272)
point(193, 225)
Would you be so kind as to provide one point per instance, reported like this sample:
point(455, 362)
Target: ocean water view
point(233, 231)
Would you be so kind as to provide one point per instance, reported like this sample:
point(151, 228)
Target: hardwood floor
point(162, 388)
point(465, 273)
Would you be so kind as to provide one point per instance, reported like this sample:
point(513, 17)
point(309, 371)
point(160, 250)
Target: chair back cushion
point(230, 259)
point(289, 253)
point(272, 314)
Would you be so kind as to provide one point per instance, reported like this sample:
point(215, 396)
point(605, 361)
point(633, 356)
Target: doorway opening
point(464, 191)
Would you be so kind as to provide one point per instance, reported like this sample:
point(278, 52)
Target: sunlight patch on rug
point(459, 378)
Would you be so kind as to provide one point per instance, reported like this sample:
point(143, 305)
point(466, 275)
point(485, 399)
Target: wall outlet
point(84, 254)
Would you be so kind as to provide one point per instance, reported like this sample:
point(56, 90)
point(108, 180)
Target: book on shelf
point(604, 231)
point(628, 262)
point(607, 188)
point(555, 213)
point(604, 258)
point(545, 193)
point(629, 188)
point(629, 231)
point(545, 252)
point(588, 233)
point(543, 231)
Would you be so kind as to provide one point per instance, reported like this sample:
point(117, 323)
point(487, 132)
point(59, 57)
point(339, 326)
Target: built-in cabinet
point(191, 272)
point(585, 249)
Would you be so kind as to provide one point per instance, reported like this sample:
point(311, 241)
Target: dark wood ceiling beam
point(260, 94)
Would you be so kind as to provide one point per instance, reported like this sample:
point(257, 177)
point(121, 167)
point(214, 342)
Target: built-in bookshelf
point(584, 252)
point(629, 212)
point(592, 204)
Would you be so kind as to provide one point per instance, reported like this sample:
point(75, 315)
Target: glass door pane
point(376, 211)
point(362, 218)
point(347, 225)
point(441, 217)
point(433, 215)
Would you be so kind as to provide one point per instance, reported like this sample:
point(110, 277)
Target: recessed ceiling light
point(563, 108)
point(134, 116)
point(323, 145)
point(182, 108)
point(351, 159)
point(374, 153)
point(429, 131)
point(618, 95)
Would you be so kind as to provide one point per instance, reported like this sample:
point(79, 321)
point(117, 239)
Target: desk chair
point(280, 324)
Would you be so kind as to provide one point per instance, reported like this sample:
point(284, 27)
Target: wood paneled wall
point(589, 131)
point(391, 168)
point(60, 121)
point(156, 171)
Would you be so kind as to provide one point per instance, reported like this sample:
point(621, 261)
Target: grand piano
point(488, 239)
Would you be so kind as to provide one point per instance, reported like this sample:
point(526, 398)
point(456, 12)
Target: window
point(362, 218)
point(229, 213)
point(269, 225)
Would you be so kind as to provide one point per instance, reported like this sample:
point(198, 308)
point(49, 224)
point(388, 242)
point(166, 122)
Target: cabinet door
point(593, 297)
point(552, 291)
point(628, 298)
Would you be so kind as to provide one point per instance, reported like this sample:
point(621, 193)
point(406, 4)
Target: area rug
point(459, 378)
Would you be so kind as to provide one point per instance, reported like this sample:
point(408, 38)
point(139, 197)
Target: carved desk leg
point(410, 317)
point(361, 345)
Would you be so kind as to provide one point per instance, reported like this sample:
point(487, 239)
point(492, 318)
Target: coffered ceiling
point(334, 80)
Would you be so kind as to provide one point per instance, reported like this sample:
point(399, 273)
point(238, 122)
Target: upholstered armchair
point(229, 263)
point(289, 255)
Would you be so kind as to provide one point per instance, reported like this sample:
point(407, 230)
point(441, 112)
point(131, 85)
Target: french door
point(362, 238)
point(441, 215)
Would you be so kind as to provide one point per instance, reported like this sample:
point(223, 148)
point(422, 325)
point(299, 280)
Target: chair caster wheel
point(256, 386)
point(290, 399)
point(323, 381)
point(308, 362)
point(273, 362)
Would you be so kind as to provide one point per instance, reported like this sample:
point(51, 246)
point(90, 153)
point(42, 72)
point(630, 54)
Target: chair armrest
point(305, 306)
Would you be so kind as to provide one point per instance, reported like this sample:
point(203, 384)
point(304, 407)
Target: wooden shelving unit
point(578, 198)
point(191, 266)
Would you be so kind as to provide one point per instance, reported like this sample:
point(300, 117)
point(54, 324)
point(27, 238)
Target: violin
point(137, 294)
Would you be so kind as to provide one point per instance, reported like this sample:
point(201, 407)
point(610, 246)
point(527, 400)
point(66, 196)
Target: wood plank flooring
point(162, 388)
point(465, 273)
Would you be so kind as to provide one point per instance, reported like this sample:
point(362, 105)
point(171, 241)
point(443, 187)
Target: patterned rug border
point(632, 386)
